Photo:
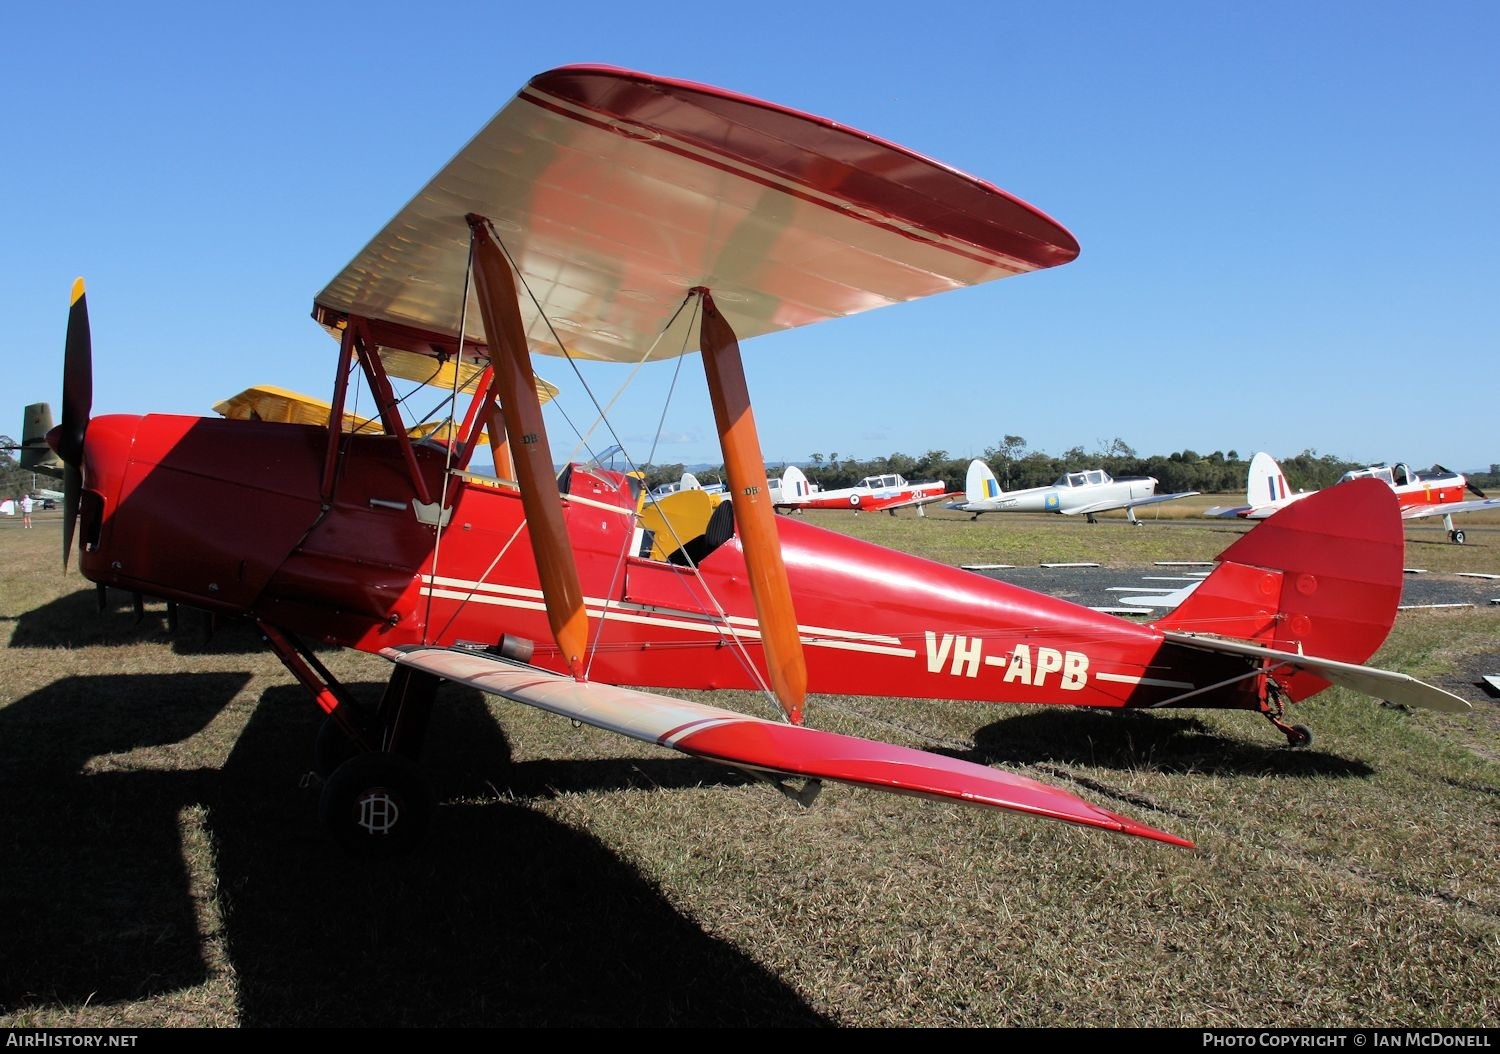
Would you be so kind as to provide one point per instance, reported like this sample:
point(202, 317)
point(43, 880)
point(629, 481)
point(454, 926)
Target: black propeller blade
point(72, 488)
point(77, 402)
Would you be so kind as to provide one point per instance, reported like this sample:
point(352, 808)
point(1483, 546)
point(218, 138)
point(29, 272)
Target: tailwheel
point(377, 805)
point(1297, 736)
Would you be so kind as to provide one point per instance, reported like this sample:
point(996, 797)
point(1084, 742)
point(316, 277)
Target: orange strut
point(754, 515)
point(527, 438)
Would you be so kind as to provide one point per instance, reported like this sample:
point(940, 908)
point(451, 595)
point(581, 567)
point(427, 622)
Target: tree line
point(1017, 468)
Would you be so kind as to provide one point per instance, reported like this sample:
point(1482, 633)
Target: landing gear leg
point(375, 802)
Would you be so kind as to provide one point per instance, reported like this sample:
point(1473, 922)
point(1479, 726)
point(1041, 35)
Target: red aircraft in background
point(1421, 494)
point(615, 215)
point(886, 493)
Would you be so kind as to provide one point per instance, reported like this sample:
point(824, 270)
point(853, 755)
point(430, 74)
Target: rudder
point(980, 484)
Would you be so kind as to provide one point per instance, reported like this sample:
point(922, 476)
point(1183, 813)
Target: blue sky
point(1287, 211)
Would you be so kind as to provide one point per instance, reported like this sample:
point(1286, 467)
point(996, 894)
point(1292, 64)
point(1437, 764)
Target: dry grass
point(161, 863)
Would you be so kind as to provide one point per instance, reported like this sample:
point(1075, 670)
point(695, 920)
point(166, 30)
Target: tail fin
point(36, 455)
point(981, 484)
point(794, 485)
point(1322, 578)
point(1266, 482)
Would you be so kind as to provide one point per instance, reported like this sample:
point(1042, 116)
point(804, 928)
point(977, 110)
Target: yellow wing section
point(266, 402)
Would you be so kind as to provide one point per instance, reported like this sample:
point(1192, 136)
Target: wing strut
point(336, 413)
point(754, 514)
point(530, 451)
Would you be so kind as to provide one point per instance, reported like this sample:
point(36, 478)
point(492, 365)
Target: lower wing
point(761, 746)
point(1134, 503)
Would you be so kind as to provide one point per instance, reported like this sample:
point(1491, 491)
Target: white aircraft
point(1431, 492)
point(1266, 491)
point(1085, 493)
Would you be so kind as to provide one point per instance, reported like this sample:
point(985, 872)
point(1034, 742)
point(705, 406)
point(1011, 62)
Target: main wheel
point(377, 805)
point(1457, 536)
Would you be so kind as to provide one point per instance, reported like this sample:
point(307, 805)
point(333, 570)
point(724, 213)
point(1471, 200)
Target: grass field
point(161, 862)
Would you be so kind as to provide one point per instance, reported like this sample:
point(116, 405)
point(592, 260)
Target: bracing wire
point(437, 545)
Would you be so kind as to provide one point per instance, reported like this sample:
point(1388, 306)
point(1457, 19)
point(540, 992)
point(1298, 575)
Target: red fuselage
point(865, 498)
point(227, 515)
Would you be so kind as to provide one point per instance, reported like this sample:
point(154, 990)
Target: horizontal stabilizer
point(1382, 684)
point(764, 746)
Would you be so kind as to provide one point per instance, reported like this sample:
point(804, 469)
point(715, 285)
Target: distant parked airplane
point(1084, 493)
point(871, 494)
point(1435, 491)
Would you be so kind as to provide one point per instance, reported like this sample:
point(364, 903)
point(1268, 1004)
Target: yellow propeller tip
point(77, 290)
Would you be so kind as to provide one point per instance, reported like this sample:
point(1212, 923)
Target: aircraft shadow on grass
point(93, 886)
point(1157, 741)
point(505, 918)
point(76, 620)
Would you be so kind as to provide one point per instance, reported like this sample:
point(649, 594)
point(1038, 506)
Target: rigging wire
point(437, 544)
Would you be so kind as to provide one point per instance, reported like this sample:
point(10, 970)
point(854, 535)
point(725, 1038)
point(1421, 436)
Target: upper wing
point(617, 193)
point(1382, 684)
point(1418, 512)
point(764, 746)
point(1135, 503)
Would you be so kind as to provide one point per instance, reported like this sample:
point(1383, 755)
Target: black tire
point(1303, 739)
point(377, 806)
point(1457, 536)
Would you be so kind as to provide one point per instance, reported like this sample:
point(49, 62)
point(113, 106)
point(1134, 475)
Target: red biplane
point(608, 214)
